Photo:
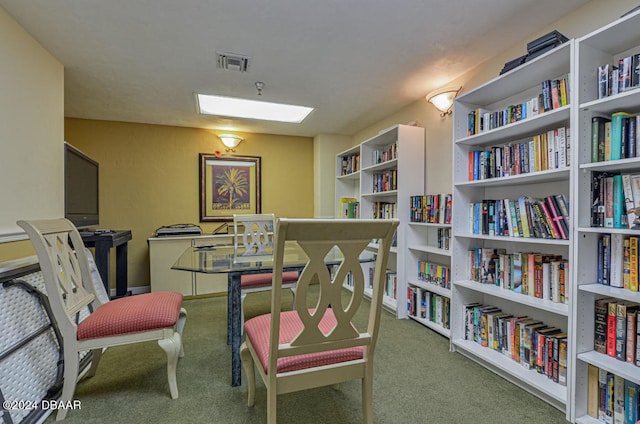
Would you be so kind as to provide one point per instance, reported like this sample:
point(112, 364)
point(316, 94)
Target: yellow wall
point(149, 177)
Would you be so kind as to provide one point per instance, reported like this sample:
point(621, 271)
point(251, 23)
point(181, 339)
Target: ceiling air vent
point(232, 61)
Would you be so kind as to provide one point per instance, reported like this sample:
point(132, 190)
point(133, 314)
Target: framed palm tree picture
point(229, 185)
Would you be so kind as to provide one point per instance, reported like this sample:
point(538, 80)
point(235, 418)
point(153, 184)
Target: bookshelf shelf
point(435, 327)
point(352, 176)
point(608, 291)
point(383, 166)
point(623, 369)
point(520, 129)
point(399, 150)
point(528, 379)
point(529, 240)
point(495, 291)
point(561, 174)
point(381, 194)
point(516, 87)
point(604, 46)
point(431, 287)
point(430, 249)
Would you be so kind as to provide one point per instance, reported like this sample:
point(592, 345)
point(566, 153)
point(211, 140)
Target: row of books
point(385, 181)
point(550, 150)
point(350, 164)
point(443, 238)
point(431, 208)
point(349, 207)
point(553, 95)
point(617, 261)
point(615, 137)
point(384, 210)
point(427, 305)
point(614, 79)
point(525, 217)
point(615, 331)
point(433, 273)
point(611, 398)
point(543, 276)
point(384, 155)
point(526, 340)
point(391, 284)
point(614, 199)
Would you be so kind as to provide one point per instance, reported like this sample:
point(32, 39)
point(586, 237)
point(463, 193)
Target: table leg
point(233, 327)
point(103, 262)
point(121, 270)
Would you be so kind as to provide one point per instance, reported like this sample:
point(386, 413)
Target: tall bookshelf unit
point(379, 200)
point(514, 87)
point(423, 245)
point(604, 46)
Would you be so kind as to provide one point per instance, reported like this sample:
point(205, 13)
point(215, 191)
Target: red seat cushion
point(257, 330)
point(132, 314)
point(255, 280)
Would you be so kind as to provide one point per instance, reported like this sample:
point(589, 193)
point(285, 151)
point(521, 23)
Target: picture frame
point(229, 185)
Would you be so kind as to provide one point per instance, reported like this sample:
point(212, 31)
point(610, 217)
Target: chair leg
point(70, 379)
point(272, 393)
point(367, 397)
point(182, 319)
point(243, 296)
point(96, 354)
point(173, 347)
point(247, 364)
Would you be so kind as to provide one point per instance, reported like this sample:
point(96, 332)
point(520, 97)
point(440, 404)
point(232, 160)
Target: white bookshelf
point(423, 244)
point(409, 167)
point(604, 46)
point(514, 87)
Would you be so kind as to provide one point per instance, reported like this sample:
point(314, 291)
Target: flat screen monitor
point(81, 183)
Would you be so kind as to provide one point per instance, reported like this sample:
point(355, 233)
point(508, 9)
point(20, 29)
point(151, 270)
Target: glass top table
point(225, 259)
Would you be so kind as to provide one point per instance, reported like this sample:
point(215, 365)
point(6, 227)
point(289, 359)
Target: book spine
point(611, 329)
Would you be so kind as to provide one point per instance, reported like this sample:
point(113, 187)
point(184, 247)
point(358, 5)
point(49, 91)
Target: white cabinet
point(522, 155)
point(163, 253)
point(603, 46)
point(390, 170)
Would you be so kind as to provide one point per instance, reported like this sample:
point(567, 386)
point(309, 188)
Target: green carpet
point(417, 380)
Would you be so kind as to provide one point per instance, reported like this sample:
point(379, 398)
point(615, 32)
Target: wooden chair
point(305, 348)
point(70, 289)
point(256, 243)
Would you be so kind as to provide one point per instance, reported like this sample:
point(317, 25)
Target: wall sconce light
point(442, 99)
point(230, 141)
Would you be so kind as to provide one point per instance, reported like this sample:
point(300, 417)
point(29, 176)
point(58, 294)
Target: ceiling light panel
point(251, 109)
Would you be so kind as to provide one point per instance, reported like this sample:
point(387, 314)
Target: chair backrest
point(257, 236)
point(317, 237)
point(65, 269)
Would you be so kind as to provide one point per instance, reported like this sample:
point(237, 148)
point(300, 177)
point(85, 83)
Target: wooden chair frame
point(317, 237)
point(70, 289)
point(257, 239)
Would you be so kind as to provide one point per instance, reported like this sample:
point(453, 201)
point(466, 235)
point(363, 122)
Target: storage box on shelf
point(502, 197)
point(595, 226)
point(391, 168)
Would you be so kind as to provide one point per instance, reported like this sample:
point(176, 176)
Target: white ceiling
point(355, 61)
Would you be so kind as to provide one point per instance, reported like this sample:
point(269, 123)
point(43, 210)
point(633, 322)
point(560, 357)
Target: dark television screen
point(80, 188)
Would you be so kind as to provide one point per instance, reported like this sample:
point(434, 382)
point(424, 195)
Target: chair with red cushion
point(305, 348)
point(254, 243)
point(70, 288)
